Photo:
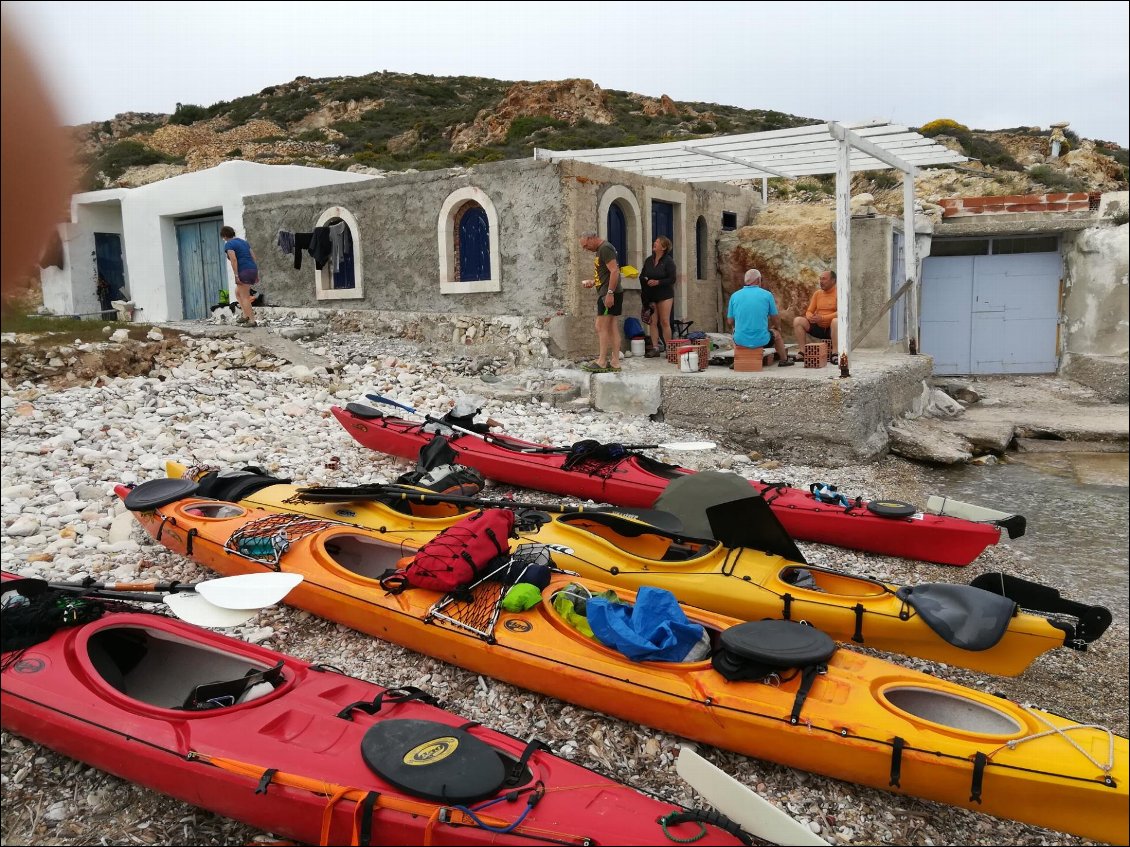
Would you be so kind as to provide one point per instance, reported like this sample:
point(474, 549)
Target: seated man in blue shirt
point(752, 317)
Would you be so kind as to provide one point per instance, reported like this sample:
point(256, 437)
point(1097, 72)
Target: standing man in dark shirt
point(609, 303)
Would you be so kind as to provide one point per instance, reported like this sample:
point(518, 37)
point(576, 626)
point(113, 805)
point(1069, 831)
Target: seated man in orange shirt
point(820, 319)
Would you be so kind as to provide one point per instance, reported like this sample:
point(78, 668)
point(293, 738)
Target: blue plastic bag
point(633, 328)
point(654, 629)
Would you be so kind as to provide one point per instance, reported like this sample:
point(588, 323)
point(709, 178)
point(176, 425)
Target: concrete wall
point(542, 209)
point(146, 218)
point(1096, 307)
point(398, 240)
point(803, 418)
point(871, 248)
point(72, 290)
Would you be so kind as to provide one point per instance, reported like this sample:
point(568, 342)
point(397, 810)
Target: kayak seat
point(169, 672)
point(433, 760)
point(962, 615)
point(360, 410)
point(760, 650)
point(234, 486)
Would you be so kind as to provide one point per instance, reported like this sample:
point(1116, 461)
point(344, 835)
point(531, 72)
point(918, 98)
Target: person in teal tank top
point(752, 317)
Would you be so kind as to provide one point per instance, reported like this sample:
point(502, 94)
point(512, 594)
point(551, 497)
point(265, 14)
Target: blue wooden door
point(991, 314)
point(474, 245)
point(111, 268)
point(1015, 313)
point(203, 266)
point(618, 232)
point(947, 300)
point(662, 220)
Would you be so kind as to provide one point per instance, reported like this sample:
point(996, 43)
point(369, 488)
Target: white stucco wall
point(147, 222)
point(1097, 303)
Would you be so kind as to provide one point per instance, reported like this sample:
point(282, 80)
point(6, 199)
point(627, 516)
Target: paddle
point(744, 807)
point(671, 445)
point(663, 521)
point(1014, 524)
point(223, 602)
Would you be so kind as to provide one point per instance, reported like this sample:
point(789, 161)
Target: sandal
point(594, 368)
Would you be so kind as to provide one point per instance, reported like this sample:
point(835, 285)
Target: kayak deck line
point(637, 481)
point(864, 720)
point(745, 583)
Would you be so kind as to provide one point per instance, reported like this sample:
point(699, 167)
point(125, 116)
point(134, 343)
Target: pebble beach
point(219, 402)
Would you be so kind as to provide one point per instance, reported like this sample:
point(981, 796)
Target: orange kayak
point(863, 719)
point(742, 583)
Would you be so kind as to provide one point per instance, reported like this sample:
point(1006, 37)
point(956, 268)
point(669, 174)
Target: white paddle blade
point(967, 511)
point(689, 445)
point(191, 607)
point(747, 809)
point(248, 591)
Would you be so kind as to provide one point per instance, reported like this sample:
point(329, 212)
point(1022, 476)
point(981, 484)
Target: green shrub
point(527, 125)
point(187, 113)
point(126, 154)
point(311, 135)
point(883, 179)
point(233, 154)
point(810, 185)
point(1049, 177)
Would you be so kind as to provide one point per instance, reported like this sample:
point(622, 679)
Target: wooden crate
point(815, 355)
point(748, 358)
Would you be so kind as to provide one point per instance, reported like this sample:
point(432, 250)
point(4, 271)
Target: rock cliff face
point(570, 100)
point(391, 122)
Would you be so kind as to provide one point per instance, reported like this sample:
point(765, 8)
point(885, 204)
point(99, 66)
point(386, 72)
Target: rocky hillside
point(389, 122)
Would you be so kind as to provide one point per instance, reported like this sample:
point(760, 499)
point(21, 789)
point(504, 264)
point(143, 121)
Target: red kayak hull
point(53, 695)
point(638, 482)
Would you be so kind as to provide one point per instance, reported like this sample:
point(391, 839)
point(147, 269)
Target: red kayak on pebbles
point(299, 749)
point(630, 479)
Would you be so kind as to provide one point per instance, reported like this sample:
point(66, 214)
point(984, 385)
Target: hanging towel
point(654, 629)
point(285, 242)
point(337, 245)
point(320, 247)
point(302, 241)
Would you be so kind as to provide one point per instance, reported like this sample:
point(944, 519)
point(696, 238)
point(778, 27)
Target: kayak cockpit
point(829, 582)
point(951, 711)
point(170, 672)
point(637, 538)
point(361, 554)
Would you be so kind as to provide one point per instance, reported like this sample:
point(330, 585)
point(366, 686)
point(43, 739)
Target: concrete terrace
point(805, 414)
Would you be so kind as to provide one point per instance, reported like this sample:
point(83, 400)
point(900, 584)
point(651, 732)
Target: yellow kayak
point(742, 583)
point(834, 711)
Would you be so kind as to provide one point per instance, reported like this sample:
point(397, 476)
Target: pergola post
point(843, 250)
point(910, 259)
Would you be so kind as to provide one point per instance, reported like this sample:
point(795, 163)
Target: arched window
point(618, 232)
point(618, 216)
point(700, 247)
point(469, 256)
point(340, 279)
point(472, 243)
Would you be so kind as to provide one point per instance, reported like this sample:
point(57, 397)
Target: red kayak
point(303, 750)
point(634, 480)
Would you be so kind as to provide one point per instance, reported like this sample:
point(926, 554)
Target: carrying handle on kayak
point(389, 696)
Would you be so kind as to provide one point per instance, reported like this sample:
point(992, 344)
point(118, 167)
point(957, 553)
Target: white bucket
point(637, 347)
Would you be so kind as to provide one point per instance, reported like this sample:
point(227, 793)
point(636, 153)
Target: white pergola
point(801, 151)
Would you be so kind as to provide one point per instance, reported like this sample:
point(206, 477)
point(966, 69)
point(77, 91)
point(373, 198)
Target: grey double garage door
point(991, 306)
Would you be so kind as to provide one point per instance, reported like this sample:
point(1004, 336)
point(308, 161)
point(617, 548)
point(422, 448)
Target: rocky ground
point(67, 441)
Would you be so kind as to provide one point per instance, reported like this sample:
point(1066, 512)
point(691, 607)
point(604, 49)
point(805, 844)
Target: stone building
point(493, 250)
